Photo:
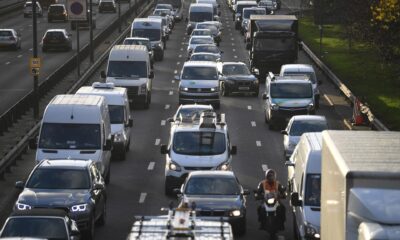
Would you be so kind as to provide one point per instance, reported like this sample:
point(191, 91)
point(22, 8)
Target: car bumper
point(199, 98)
point(119, 147)
point(56, 45)
point(8, 44)
point(286, 114)
point(242, 87)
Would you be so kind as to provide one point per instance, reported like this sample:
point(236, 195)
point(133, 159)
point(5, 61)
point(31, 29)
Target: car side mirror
point(33, 143)
point(246, 192)
point(294, 199)
point(233, 150)
point(108, 145)
point(176, 77)
point(103, 74)
point(289, 164)
point(164, 149)
point(98, 186)
point(284, 132)
point(130, 123)
point(20, 185)
point(170, 120)
point(264, 96)
point(151, 75)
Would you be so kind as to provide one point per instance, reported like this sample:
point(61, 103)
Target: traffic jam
point(81, 135)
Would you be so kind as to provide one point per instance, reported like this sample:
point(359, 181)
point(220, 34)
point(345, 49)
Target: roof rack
point(210, 119)
point(108, 85)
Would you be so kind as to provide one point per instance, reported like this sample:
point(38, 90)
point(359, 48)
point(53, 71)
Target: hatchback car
point(107, 6)
point(56, 39)
point(73, 185)
point(57, 12)
point(237, 78)
point(297, 126)
point(9, 38)
point(28, 9)
point(217, 194)
point(40, 224)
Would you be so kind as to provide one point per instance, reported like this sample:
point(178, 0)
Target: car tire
point(102, 219)
point(146, 103)
point(224, 92)
point(89, 233)
point(128, 145)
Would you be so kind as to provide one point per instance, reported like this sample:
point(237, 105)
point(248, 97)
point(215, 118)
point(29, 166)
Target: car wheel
point(128, 145)
point(89, 233)
point(102, 220)
point(146, 102)
point(265, 117)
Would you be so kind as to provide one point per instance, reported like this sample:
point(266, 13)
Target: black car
point(40, 223)
point(107, 6)
point(216, 194)
point(57, 12)
point(73, 185)
point(236, 78)
point(56, 39)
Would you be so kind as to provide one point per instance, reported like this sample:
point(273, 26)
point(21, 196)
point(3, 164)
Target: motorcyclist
point(270, 184)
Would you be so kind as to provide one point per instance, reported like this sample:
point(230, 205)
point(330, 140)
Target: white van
point(216, 9)
point(76, 127)
point(304, 181)
point(199, 12)
point(153, 30)
point(129, 66)
point(120, 114)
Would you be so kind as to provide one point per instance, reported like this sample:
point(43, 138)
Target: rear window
point(210, 49)
point(55, 35)
point(56, 9)
point(5, 34)
point(35, 227)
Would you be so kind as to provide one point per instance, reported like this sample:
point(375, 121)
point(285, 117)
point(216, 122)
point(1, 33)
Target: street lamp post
point(321, 26)
point(35, 55)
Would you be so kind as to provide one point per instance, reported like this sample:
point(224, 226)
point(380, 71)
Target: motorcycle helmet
point(270, 175)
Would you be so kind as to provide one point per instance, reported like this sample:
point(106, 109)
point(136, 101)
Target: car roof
point(137, 38)
point(200, 64)
point(200, 36)
point(214, 173)
point(246, 2)
point(187, 106)
point(51, 212)
point(65, 163)
point(205, 53)
point(7, 29)
point(56, 30)
point(232, 63)
point(202, 29)
point(309, 117)
point(297, 67)
point(57, 5)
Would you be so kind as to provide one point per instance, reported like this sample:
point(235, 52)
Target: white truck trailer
point(360, 197)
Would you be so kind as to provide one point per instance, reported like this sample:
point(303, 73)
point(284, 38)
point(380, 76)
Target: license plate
point(244, 88)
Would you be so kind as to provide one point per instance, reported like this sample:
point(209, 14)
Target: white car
point(28, 9)
point(10, 38)
point(212, 57)
point(196, 41)
point(297, 126)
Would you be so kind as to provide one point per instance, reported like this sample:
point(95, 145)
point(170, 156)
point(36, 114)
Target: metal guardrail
point(376, 123)
point(16, 152)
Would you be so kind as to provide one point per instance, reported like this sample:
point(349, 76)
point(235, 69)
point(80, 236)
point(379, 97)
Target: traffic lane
point(17, 82)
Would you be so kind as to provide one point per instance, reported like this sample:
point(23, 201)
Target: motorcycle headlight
point(235, 213)
point(271, 201)
point(274, 107)
point(174, 167)
point(22, 207)
point(311, 231)
point(79, 208)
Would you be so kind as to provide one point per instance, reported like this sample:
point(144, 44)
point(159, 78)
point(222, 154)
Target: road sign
point(35, 71)
point(77, 9)
point(35, 62)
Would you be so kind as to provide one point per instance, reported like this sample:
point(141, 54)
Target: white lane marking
point(157, 142)
point(232, 39)
point(7, 63)
point(235, 56)
point(328, 100)
point(181, 49)
point(178, 63)
point(183, 43)
point(167, 106)
point(30, 49)
point(230, 34)
point(280, 237)
point(172, 81)
point(163, 122)
point(19, 56)
point(253, 123)
point(249, 107)
point(176, 71)
point(180, 55)
point(151, 166)
point(258, 143)
point(21, 29)
point(171, 93)
point(234, 50)
point(142, 197)
point(264, 167)
point(233, 44)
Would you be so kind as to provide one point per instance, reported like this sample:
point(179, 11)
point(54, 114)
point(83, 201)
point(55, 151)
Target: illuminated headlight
point(223, 167)
point(238, 19)
point(184, 89)
point(174, 167)
point(216, 89)
point(310, 106)
point(118, 137)
point(235, 213)
point(79, 208)
point(311, 231)
point(271, 201)
point(21, 206)
point(274, 107)
point(143, 89)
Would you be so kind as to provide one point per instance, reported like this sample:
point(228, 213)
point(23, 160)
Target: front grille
point(197, 168)
point(244, 84)
point(217, 213)
point(293, 111)
point(132, 91)
point(202, 97)
point(200, 90)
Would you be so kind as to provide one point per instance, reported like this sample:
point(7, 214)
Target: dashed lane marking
point(328, 100)
point(163, 122)
point(235, 56)
point(142, 197)
point(249, 107)
point(233, 44)
point(253, 123)
point(30, 49)
point(172, 81)
point(258, 143)
point(234, 50)
point(178, 63)
point(19, 56)
point(176, 71)
point(171, 93)
point(232, 39)
point(151, 166)
point(264, 167)
point(8, 63)
point(180, 55)
point(167, 106)
point(181, 49)
point(157, 142)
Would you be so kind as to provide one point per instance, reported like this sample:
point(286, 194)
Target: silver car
point(28, 9)
point(297, 126)
point(10, 38)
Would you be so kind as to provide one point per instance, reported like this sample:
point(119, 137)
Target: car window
point(291, 90)
point(37, 227)
point(44, 178)
point(56, 9)
point(6, 34)
point(201, 41)
point(211, 58)
point(309, 74)
point(127, 69)
point(299, 127)
point(212, 186)
point(199, 73)
point(116, 114)
point(55, 35)
point(313, 190)
point(235, 69)
point(189, 112)
point(199, 143)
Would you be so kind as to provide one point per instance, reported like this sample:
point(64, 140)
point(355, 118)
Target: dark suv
point(56, 39)
point(73, 185)
point(57, 12)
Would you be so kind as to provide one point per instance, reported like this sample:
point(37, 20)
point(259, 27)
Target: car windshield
point(164, 6)
point(43, 178)
point(199, 73)
point(212, 186)
point(36, 227)
point(138, 42)
point(247, 13)
point(5, 34)
point(235, 69)
point(204, 57)
point(162, 12)
point(70, 136)
point(201, 41)
point(152, 34)
point(291, 90)
point(56, 9)
point(127, 69)
point(274, 44)
point(199, 143)
point(189, 112)
point(210, 49)
point(239, 8)
point(201, 33)
point(313, 190)
point(299, 127)
point(117, 114)
point(311, 75)
point(200, 16)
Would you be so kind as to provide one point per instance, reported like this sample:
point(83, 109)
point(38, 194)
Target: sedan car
point(40, 224)
point(73, 185)
point(201, 32)
point(207, 48)
point(56, 39)
point(28, 9)
point(9, 38)
point(237, 78)
point(298, 125)
point(107, 6)
point(198, 40)
point(212, 57)
point(218, 194)
point(216, 33)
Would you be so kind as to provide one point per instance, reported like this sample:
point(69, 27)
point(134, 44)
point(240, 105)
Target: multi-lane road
point(137, 184)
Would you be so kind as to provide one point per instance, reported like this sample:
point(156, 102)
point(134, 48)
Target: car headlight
point(174, 166)
point(184, 89)
point(214, 89)
point(224, 166)
point(79, 208)
point(236, 213)
point(237, 19)
point(143, 88)
point(274, 107)
point(22, 207)
point(311, 231)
